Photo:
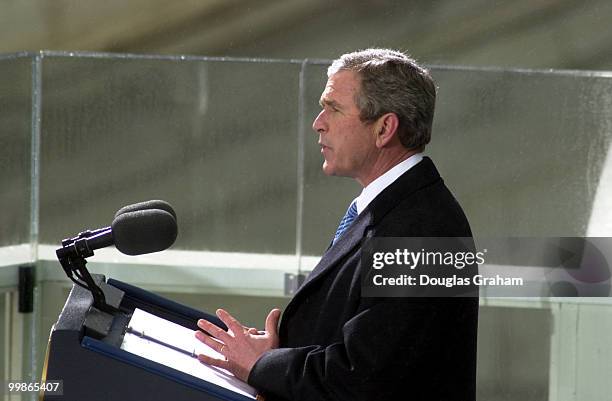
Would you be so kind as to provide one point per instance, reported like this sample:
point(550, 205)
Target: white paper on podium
point(180, 337)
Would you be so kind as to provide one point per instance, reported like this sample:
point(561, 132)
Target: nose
point(319, 124)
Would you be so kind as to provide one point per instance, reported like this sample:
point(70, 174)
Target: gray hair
point(392, 82)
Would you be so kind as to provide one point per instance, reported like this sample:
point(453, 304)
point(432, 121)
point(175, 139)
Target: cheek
point(350, 139)
point(358, 138)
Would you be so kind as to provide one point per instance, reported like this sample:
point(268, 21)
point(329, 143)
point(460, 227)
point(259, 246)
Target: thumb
point(272, 321)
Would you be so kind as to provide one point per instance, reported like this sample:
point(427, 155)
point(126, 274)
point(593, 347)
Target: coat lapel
point(421, 175)
point(347, 242)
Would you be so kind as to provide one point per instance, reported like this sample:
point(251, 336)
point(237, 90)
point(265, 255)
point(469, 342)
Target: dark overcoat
point(336, 344)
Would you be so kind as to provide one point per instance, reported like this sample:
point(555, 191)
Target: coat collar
point(421, 175)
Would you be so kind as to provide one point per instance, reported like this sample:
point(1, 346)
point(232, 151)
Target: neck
point(384, 162)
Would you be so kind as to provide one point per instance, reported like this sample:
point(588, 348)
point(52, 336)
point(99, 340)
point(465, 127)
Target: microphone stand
point(75, 269)
point(72, 256)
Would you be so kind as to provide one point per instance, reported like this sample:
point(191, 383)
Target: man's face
point(347, 144)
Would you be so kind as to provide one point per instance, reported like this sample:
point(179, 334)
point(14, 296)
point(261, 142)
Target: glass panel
point(325, 198)
point(15, 138)
point(508, 144)
point(53, 295)
point(513, 354)
point(523, 152)
point(217, 139)
point(593, 368)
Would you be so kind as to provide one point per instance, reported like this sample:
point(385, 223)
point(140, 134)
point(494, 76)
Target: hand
point(241, 346)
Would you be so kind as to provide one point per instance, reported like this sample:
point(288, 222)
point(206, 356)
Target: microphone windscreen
point(144, 231)
point(152, 204)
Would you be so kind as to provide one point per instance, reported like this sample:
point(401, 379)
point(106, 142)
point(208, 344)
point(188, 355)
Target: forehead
point(341, 86)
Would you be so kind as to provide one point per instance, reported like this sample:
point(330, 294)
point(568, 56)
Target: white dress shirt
point(378, 185)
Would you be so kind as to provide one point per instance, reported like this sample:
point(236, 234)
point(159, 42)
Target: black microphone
point(133, 233)
point(151, 204)
point(144, 231)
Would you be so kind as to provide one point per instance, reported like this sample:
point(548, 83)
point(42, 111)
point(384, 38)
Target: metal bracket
point(27, 280)
point(293, 282)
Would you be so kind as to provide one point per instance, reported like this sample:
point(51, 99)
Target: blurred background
point(208, 105)
point(568, 34)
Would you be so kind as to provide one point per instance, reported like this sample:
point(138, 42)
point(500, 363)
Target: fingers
point(240, 346)
point(213, 330)
point(221, 363)
point(272, 321)
point(211, 342)
point(231, 322)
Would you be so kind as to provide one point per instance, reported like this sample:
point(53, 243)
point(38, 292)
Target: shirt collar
point(378, 185)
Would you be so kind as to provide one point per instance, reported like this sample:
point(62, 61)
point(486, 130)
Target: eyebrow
point(329, 102)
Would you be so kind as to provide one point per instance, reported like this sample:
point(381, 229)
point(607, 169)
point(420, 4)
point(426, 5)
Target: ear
point(386, 129)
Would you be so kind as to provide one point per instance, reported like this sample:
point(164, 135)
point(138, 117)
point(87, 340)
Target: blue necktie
point(346, 221)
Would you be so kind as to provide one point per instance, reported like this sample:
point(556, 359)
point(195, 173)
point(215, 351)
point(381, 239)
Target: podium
point(84, 350)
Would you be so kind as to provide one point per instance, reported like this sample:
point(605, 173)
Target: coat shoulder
point(429, 211)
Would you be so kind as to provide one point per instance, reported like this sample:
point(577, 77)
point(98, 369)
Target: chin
point(327, 169)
